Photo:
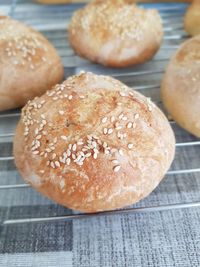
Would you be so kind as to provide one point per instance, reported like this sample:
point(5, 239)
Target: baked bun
point(93, 144)
point(115, 33)
point(181, 86)
point(192, 18)
point(29, 64)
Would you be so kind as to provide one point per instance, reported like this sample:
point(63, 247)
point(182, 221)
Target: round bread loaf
point(181, 86)
point(115, 33)
point(29, 64)
point(93, 144)
point(192, 18)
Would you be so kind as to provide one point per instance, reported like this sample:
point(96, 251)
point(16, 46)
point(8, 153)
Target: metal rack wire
point(52, 22)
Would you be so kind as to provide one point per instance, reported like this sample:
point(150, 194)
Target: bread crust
point(115, 33)
point(93, 144)
point(29, 64)
point(192, 18)
point(181, 86)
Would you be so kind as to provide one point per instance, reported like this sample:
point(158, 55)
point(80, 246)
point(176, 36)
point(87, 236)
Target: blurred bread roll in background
point(59, 1)
point(29, 64)
point(192, 18)
point(93, 144)
point(115, 33)
point(181, 86)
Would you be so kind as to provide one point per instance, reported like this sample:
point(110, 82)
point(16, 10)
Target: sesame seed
point(81, 96)
point(63, 137)
point(129, 125)
point(70, 97)
point(68, 153)
point(38, 136)
point(112, 119)
point(35, 152)
point(74, 147)
point(137, 116)
point(88, 155)
point(104, 120)
point(117, 168)
point(52, 165)
point(105, 130)
point(41, 171)
point(110, 131)
point(80, 143)
point(105, 144)
point(121, 152)
point(73, 156)
point(121, 116)
point(95, 155)
point(68, 161)
point(122, 93)
point(70, 146)
point(115, 161)
point(61, 112)
point(130, 146)
point(118, 127)
point(54, 156)
point(125, 118)
point(57, 163)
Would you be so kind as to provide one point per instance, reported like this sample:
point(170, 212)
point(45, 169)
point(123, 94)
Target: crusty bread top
point(18, 39)
point(29, 64)
point(107, 19)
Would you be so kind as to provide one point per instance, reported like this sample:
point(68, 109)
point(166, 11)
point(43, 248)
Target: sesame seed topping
point(105, 130)
point(115, 161)
point(63, 137)
point(104, 120)
point(110, 131)
point(130, 146)
point(70, 97)
point(129, 125)
point(68, 161)
point(112, 118)
point(74, 147)
point(121, 152)
point(57, 164)
point(95, 155)
point(61, 112)
point(117, 168)
point(122, 93)
point(137, 116)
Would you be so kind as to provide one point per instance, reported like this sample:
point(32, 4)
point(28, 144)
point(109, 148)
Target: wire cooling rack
point(52, 21)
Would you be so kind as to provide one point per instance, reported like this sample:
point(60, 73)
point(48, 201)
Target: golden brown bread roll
point(192, 18)
point(29, 64)
point(181, 86)
point(93, 144)
point(115, 33)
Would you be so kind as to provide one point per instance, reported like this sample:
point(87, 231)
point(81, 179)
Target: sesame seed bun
point(181, 86)
point(29, 64)
point(93, 144)
point(192, 18)
point(115, 33)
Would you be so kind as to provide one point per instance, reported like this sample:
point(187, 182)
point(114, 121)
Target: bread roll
point(29, 64)
point(93, 144)
point(115, 33)
point(181, 86)
point(192, 18)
